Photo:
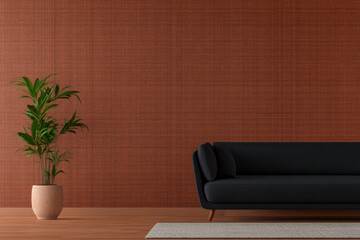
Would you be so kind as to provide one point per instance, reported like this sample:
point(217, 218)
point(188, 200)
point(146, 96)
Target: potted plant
point(40, 138)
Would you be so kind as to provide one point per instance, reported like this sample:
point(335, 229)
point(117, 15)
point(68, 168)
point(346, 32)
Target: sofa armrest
point(200, 182)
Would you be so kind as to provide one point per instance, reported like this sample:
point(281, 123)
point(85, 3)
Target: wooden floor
point(123, 223)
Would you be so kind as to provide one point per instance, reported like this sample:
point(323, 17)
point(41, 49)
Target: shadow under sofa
point(278, 175)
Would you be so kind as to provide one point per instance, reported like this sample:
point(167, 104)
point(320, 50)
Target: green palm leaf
point(44, 130)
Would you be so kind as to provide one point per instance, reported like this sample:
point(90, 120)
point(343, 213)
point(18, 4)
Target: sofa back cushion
point(226, 166)
point(207, 161)
point(294, 157)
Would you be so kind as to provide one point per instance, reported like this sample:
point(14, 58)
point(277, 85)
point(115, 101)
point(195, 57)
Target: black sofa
point(278, 175)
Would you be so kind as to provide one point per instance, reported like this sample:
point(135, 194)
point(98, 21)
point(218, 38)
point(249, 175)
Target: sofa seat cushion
point(285, 189)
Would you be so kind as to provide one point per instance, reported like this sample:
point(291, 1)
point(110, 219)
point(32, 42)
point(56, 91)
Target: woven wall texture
point(158, 78)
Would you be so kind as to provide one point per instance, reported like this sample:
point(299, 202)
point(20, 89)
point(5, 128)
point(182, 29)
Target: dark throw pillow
point(207, 160)
point(226, 167)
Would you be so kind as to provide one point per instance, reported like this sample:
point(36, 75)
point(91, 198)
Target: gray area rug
point(255, 230)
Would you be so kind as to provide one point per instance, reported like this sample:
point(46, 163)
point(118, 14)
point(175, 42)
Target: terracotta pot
point(47, 201)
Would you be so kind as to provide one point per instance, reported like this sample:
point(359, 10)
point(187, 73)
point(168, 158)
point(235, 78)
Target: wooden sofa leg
point(211, 214)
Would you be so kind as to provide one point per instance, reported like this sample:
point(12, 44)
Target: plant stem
point(47, 167)
point(41, 170)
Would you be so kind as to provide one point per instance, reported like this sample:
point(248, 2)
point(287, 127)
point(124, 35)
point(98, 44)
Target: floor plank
point(135, 223)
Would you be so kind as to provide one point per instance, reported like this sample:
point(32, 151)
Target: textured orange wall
point(158, 78)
